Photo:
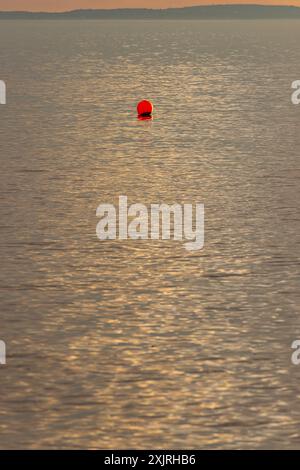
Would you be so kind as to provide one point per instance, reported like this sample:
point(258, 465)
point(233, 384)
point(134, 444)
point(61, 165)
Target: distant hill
point(199, 12)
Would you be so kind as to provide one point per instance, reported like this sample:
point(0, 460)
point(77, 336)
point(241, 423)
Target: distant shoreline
point(208, 12)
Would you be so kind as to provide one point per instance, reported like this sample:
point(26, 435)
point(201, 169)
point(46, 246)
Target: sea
point(142, 344)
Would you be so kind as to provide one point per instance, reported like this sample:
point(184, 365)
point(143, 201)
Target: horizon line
point(153, 9)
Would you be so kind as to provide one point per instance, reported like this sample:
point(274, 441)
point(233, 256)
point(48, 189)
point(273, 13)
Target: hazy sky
point(62, 5)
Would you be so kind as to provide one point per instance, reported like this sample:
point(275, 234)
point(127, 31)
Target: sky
point(65, 5)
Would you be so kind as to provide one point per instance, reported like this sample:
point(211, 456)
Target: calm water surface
point(143, 344)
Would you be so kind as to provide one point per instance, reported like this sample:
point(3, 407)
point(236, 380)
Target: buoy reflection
point(147, 117)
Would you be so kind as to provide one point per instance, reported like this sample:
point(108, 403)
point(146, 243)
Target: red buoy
point(145, 108)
